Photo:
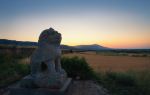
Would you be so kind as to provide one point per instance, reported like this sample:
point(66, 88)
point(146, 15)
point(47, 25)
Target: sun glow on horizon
point(82, 25)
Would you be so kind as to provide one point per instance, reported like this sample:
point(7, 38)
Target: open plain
point(104, 63)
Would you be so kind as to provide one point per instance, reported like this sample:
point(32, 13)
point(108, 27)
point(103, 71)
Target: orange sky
point(106, 25)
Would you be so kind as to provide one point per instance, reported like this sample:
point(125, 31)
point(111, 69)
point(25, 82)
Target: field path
point(86, 88)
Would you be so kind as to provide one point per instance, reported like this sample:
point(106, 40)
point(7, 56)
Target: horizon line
point(77, 45)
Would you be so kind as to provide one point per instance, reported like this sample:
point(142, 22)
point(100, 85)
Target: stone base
point(40, 91)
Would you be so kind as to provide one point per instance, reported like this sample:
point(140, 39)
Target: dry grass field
point(114, 63)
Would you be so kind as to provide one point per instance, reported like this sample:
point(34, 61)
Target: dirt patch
point(86, 88)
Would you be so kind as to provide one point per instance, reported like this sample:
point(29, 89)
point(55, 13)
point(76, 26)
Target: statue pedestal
point(40, 91)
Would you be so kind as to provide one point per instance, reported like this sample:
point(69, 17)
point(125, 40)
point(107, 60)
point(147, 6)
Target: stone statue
point(45, 64)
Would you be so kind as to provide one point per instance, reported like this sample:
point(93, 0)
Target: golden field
point(114, 63)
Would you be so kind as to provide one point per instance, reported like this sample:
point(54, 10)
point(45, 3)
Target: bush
point(77, 68)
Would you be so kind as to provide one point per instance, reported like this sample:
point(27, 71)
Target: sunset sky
point(110, 23)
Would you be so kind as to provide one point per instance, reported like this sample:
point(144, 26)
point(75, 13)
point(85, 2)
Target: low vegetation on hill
point(126, 52)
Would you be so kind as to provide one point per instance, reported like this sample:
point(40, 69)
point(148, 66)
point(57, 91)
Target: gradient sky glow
point(111, 23)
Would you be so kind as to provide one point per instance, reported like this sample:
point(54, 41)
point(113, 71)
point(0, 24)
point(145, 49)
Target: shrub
point(77, 68)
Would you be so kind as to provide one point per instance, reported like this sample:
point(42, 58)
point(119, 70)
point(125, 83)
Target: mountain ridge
point(77, 47)
point(92, 47)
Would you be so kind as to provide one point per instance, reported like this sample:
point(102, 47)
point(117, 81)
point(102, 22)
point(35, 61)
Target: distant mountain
point(65, 47)
point(27, 43)
point(91, 47)
point(17, 43)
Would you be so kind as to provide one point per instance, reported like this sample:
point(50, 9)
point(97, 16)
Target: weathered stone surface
point(46, 71)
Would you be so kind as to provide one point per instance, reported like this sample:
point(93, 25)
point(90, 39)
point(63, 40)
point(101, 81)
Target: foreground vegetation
point(126, 83)
point(11, 69)
point(117, 83)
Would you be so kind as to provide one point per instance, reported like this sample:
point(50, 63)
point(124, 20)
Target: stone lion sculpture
point(48, 53)
point(45, 64)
